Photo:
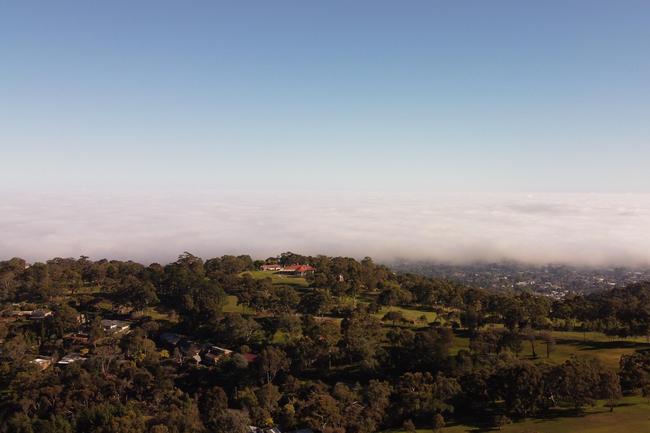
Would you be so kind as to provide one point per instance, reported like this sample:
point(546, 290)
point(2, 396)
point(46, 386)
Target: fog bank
point(579, 229)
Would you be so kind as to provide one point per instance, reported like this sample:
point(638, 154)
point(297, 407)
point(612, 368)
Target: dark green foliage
point(315, 356)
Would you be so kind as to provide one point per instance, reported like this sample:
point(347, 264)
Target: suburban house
point(213, 354)
point(42, 362)
point(70, 358)
point(190, 351)
point(40, 314)
point(77, 338)
point(299, 270)
point(253, 429)
point(115, 326)
point(21, 313)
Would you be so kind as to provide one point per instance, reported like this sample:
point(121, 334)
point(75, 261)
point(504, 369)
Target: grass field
point(278, 278)
point(411, 314)
point(606, 349)
point(157, 313)
point(632, 416)
point(233, 307)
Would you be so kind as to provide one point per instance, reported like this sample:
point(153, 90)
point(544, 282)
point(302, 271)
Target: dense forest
point(327, 344)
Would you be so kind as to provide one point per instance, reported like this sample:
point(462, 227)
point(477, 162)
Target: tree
point(521, 386)
point(230, 421)
point(271, 361)
point(96, 331)
point(213, 403)
point(389, 296)
point(511, 340)
point(635, 371)
point(237, 330)
point(393, 316)
point(71, 279)
point(361, 341)
point(438, 423)
point(408, 426)
point(377, 397)
point(54, 424)
point(65, 319)
point(143, 295)
point(319, 343)
point(472, 317)
point(139, 348)
point(420, 395)
point(316, 302)
point(577, 381)
point(610, 388)
point(501, 420)
point(549, 342)
point(486, 342)
point(531, 336)
point(201, 303)
point(19, 423)
point(10, 273)
point(645, 392)
point(37, 282)
point(321, 412)
point(430, 348)
point(110, 418)
point(179, 278)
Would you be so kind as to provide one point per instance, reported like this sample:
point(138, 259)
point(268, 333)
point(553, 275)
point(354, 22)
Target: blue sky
point(359, 96)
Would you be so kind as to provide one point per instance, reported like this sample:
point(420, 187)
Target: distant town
point(554, 281)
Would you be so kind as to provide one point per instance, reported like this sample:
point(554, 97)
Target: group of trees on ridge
point(324, 358)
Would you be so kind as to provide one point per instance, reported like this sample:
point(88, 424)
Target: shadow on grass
point(554, 414)
point(604, 345)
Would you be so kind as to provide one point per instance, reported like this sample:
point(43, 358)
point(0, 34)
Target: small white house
point(71, 358)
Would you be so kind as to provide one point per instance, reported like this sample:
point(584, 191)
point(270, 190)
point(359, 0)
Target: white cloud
point(577, 228)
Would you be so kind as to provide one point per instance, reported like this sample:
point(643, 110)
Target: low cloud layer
point(575, 229)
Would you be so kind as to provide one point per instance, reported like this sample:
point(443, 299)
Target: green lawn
point(232, 306)
point(415, 314)
point(458, 344)
point(594, 344)
point(157, 313)
point(277, 278)
point(633, 416)
point(606, 349)
point(411, 314)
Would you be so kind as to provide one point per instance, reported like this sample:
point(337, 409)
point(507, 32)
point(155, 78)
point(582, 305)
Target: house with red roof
point(300, 270)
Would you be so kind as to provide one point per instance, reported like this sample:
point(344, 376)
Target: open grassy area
point(459, 343)
point(598, 345)
point(277, 278)
point(158, 313)
point(632, 416)
point(232, 306)
point(412, 314)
